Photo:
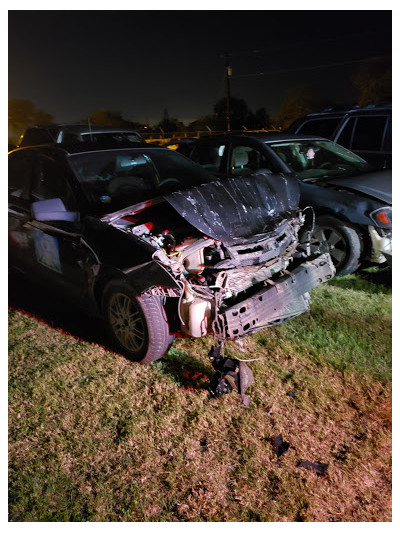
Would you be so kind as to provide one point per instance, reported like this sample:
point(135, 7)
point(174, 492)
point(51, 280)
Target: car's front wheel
point(137, 325)
point(342, 241)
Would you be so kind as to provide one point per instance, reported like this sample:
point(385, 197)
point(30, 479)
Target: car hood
point(231, 209)
point(237, 207)
point(375, 184)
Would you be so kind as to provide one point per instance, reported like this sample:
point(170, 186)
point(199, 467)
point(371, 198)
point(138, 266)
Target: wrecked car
point(154, 244)
point(352, 201)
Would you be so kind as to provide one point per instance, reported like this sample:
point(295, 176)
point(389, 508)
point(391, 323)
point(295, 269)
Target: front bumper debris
point(286, 298)
point(381, 245)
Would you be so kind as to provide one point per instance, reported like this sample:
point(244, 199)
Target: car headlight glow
point(382, 217)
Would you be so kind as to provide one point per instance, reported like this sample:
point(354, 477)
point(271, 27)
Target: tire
point(137, 325)
point(343, 241)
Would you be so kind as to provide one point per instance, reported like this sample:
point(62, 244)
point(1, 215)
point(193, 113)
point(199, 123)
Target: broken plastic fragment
point(280, 445)
point(231, 374)
point(317, 467)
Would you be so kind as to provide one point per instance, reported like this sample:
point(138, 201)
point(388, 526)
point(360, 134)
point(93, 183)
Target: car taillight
point(382, 217)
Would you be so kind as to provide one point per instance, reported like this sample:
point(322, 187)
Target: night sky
point(138, 63)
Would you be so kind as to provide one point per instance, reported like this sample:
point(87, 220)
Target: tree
point(204, 123)
point(240, 115)
point(169, 124)
point(299, 101)
point(259, 120)
point(22, 114)
point(103, 117)
point(238, 112)
point(373, 81)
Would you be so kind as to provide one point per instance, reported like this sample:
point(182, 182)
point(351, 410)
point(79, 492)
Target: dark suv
point(72, 133)
point(366, 131)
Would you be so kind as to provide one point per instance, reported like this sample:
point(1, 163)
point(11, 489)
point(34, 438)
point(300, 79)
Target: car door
point(20, 164)
point(55, 254)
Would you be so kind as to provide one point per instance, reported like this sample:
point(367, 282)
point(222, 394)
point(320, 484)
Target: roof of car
point(84, 128)
point(370, 109)
point(264, 137)
point(84, 147)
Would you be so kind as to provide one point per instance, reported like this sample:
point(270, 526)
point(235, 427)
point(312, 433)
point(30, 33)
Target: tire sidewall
point(124, 288)
point(158, 339)
point(352, 239)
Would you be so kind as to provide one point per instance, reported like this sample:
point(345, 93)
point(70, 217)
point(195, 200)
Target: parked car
point(180, 145)
point(71, 133)
point(149, 240)
point(352, 202)
point(366, 131)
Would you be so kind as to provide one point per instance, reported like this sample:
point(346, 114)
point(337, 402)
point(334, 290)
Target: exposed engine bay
point(229, 289)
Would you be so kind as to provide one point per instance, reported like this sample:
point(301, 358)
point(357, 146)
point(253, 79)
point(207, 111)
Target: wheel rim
point(126, 322)
point(337, 246)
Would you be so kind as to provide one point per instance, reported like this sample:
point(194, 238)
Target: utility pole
point(228, 74)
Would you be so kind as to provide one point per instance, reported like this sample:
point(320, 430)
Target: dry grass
point(94, 437)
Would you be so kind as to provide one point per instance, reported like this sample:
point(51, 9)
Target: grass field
point(95, 437)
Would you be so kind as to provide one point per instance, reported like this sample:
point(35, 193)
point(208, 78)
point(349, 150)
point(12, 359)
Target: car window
point(322, 127)
point(315, 159)
point(113, 138)
point(245, 160)
point(346, 134)
point(368, 134)
point(209, 156)
point(50, 181)
point(113, 179)
point(19, 174)
point(38, 136)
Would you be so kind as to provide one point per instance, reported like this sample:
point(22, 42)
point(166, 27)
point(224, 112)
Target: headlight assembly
point(382, 217)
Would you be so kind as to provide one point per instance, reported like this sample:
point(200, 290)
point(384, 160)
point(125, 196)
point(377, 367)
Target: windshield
point(114, 137)
point(316, 159)
point(114, 179)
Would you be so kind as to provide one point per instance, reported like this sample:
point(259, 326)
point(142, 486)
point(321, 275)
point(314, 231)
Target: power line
point(298, 69)
point(301, 43)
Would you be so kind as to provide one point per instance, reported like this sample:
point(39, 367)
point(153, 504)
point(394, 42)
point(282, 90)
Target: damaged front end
point(238, 265)
point(233, 251)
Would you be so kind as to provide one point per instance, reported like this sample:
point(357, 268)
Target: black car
point(149, 240)
point(73, 133)
point(366, 131)
point(352, 202)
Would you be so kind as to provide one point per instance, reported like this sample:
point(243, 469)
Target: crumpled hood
point(375, 184)
point(236, 207)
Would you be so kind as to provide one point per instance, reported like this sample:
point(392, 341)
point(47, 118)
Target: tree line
point(372, 82)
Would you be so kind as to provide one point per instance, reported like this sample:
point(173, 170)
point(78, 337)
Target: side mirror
point(52, 210)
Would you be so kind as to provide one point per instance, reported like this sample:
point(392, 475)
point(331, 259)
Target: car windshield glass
point(316, 159)
point(111, 136)
point(114, 179)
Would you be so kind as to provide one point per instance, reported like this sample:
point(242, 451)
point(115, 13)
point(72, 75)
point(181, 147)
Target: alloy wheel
point(334, 241)
point(126, 322)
